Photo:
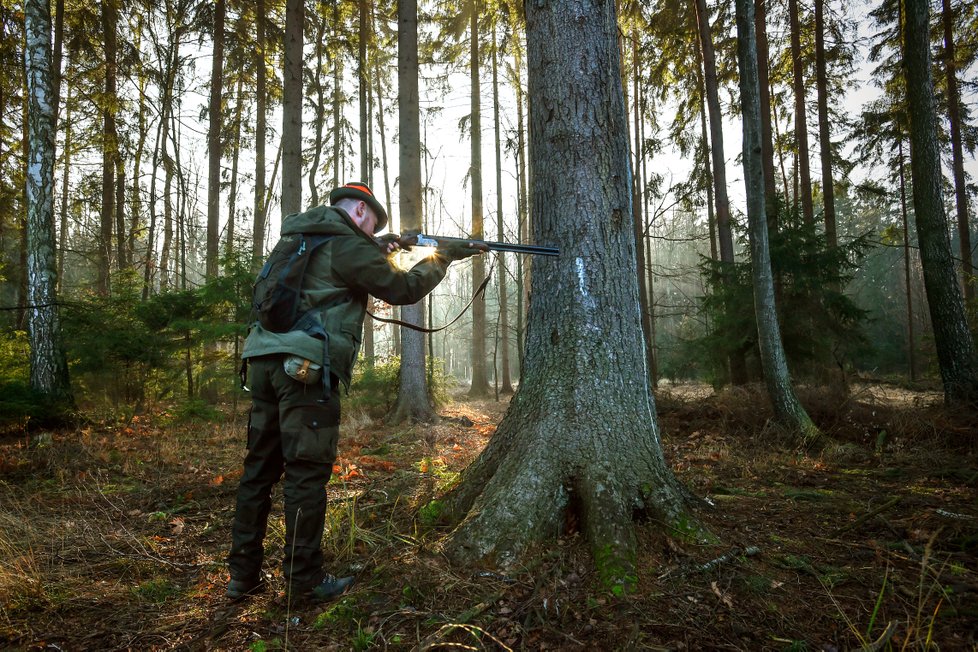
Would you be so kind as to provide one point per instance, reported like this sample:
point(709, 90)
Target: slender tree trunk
point(503, 346)
point(788, 410)
point(235, 156)
point(738, 366)
point(801, 119)
point(292, 108)
point(261, 100)
point(49, 366)
point(957, 152)
point(911, 360)
point(337, 90)
point(955, 346)
point(480, 378)
point(109, 146)
point(320, 106)
point(638, 219)
point(136, 200)
point(824, 135)
point(122, 250)
point(707, 170)
point(522, 209)
point(214, 144)
point(363, 85)
point(767, 137)
point(66, 157)
point(567, 444)
point(413, 402)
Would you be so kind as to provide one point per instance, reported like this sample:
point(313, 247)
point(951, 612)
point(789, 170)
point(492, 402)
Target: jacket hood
point(324, 220)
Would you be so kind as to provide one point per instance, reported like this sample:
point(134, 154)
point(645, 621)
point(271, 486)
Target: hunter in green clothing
point(294, 426)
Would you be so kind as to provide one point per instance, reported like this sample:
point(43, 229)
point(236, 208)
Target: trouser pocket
point(317, 442)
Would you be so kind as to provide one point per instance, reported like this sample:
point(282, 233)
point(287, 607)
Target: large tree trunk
point(505, 380)
point(413, 403)
point(292, 109)
point(581, 434)
point(480, 377)
point(738, 367)
point(955, 346)
point(49, 366)
point(824, 134)
point(261, 100)
point(957, 152)
point(214, 144)
point(787, 408)
point(801, 119)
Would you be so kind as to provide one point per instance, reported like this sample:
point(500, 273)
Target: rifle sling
point(421, 329)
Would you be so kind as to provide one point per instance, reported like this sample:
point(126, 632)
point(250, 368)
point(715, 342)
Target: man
point(294, 426)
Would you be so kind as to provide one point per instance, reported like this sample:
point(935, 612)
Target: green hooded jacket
point(337, 281)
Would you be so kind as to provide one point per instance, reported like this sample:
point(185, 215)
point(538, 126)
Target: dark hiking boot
point(241, 589)
point(330, 588)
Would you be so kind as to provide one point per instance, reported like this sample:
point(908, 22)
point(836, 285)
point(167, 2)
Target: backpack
point(275, 297)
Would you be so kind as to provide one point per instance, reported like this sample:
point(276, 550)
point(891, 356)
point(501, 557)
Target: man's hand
point(459, 250)
point(394, 242)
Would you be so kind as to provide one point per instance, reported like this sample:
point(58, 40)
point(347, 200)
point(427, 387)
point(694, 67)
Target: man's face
point(365, 218)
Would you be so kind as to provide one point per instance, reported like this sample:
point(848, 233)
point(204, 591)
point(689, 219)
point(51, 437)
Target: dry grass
point(113, 537)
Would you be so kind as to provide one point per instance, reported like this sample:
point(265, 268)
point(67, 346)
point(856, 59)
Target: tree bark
point(911, 359)
point(214, 144)
point(413, 402)
point(261, 100)
point(638, 220)
point(957, 152)
point(49, 366)
point(824, 132)
point(365, 165)
point(235, 157)
point(955, 346)
point(767, 131)
point(801, 119)
point(480, 377)
point(320, 105)
point(738, 367)
point(581, 434)
point(292, 109)
point(505, 380)
point(109, 147)
point(787, 409)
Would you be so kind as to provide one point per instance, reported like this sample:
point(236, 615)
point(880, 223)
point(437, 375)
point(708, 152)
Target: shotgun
point(421, 240)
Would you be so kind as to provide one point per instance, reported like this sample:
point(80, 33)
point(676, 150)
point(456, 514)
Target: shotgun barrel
point(423, 240)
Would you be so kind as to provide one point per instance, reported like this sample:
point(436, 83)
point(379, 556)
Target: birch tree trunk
point(581, 434)
point(955, 346)
point(413, 403)
point(787, 409)
point(49, 366)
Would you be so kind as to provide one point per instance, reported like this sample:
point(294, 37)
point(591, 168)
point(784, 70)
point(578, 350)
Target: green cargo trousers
point(290, 430)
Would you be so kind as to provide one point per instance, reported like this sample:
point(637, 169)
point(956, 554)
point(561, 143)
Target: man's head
point(358, 200)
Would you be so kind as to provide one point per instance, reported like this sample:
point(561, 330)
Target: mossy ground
point(113, 536)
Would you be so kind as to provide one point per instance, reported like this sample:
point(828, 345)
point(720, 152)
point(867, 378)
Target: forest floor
point(113, 537)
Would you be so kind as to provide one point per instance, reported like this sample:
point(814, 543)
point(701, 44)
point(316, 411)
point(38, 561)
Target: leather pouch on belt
point(305, 371)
